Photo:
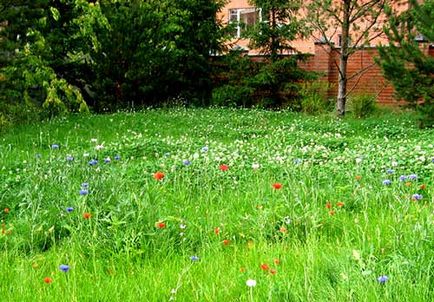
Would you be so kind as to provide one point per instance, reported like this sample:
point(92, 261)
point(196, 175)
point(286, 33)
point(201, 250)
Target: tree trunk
point(343, 60)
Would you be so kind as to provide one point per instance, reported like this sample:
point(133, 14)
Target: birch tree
point(353, 23)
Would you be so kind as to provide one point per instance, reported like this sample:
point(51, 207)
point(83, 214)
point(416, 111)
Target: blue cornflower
point(412, 176)
point(84, 192)
point(390, 171)
point(387, 182)
point(93, 162)
point(107, 160)
point(403, 178)
point(85, 185)
point(69, 209)
point(186, 162)
point(417, 197)
point(205, 149)
point(117, 157)
point(69, 158)
point(64, 268)
point(194, 258)
point(382, 279)
point(55, 146)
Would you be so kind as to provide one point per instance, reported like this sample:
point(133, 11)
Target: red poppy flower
point(283, 230)
point(276, 261)
point(226, 242)
point(87, 215)
point(277, 186)
point(217, 230)
point(422, 187)
point(160, 224)
point(265, 267)
point(159, 175)
point(328, 205)
point(340, 204)
point(358, 177)
point(273, 271)
point(224, 167)
point(48, 280)
point(7, 210)
point(332, 213)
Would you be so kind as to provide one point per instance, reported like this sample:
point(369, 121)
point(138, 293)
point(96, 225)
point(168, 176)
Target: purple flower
point(64, 268)
point(117, 157)
point(382, 279)
point(85, 185)
point(69, 158)
point(186, 162)
point(107, 160)
point(93, 162)
point(412, 176)
point(205, 149)
point(403, 178)
point(84, 192)
point(69, 209)
point(387, 182)
point(417, 197)
point(390, 171)
point(194, 258)
point(55, 146)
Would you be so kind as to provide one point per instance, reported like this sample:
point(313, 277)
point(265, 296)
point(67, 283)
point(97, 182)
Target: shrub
point(362, 105)
point(314, 97)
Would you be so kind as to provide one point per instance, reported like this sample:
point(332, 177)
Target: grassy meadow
point(217, 205)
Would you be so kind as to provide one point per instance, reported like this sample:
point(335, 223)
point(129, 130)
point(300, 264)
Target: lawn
point(193, 205)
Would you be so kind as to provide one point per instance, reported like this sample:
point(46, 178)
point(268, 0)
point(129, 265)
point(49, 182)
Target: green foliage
point(362, 105)
point(404, 62)
point(246, 82)
point(315, 97)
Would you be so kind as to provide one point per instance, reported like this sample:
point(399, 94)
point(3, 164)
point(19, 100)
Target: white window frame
point(239, 11)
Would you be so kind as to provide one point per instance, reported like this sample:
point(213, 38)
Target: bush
point(362, 105)
point(314, 97)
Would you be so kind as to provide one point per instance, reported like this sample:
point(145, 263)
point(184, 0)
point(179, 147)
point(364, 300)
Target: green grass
point(314, 252)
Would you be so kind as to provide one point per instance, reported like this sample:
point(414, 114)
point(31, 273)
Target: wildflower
point(107, 160)
point(390, 171)
point(85, 185)
point(186, 162)
point(194, 258)
point(182, 226)
point(117, 157)
point(387, 182)
point(242, 269)
point(204, 149)
point(358, 177)
point(264, 267)
point(251, 283)
point(403, 178)
point(159, 175)
point(382, 279)
point(328, 205)
point(69, 209)
point(217, 230)
point(283, 230)
point(277, 186)
point(48, 280)
point(276, 261)
point(224, 167)
point(297, 161)
point(55, 146)
point(416, 197)
point(394, 164)
point(331, 213)
point(84, 192)
point(99, 147)
point(255, 166)
point(69, 158)
point(6, 210)
point(273, 271)
point(160, 225)
point(407, 184)
point(340, 204)
point(412, 176)
point(422, 187)
point(226, 242)
point(87, 215)
point(64, 268)
point(93, 140)
point(93, 162)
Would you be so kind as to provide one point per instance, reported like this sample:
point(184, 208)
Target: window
point(244, 18)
